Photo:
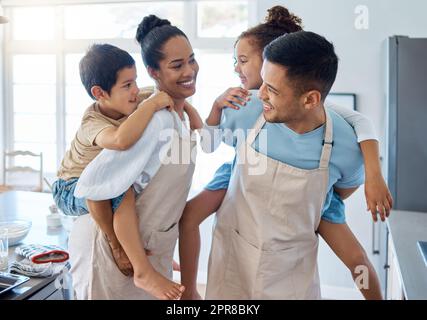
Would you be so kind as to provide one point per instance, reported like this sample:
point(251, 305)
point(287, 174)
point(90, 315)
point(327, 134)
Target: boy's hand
point(161, 100)
point(378, 197)
point(237, 95)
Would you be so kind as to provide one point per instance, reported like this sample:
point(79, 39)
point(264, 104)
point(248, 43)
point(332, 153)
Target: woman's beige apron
point(160, 206)
point(265, 242)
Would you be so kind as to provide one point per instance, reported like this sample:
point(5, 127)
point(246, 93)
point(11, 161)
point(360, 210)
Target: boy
point(115, 121)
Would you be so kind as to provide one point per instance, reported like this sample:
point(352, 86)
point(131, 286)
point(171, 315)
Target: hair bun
point(147, 24)
point(280, 16)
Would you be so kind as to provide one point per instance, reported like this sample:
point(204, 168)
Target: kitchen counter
point(33, 206)
point(406, 228)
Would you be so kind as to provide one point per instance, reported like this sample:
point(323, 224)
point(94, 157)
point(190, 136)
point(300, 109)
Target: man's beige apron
point(265, 242)
point(160, 206)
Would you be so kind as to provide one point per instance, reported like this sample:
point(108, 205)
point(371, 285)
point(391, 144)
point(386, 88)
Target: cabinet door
point(394, 284)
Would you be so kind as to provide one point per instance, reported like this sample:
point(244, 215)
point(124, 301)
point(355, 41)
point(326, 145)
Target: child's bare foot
point(158, 286)
point(122, 261)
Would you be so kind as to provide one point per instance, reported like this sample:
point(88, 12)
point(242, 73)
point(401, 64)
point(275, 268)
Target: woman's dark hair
point(309, 59)
point(277, 22)
point(152, 34)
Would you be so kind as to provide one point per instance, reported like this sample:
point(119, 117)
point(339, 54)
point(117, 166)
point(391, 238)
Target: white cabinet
point(394, 278)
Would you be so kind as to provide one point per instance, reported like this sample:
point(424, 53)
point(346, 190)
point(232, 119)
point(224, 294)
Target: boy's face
point(123, 95)
point(281, 103)
point(178, 70)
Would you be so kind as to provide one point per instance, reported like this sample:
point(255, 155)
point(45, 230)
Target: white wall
point(2, 107)
point(362, 70)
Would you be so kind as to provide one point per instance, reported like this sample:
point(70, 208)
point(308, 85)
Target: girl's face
point(248, 63)
point(178, 70)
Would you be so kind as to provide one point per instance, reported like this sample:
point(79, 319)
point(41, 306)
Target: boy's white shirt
point(212, 136)
point(113, 172)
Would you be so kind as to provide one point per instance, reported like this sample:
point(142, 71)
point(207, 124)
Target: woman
point(169, 59)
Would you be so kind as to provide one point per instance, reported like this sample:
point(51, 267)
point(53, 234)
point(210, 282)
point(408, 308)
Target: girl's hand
point(160, 100)
point(232, 95)
point(378, 197)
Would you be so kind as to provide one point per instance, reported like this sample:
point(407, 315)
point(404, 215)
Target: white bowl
point(17, 230)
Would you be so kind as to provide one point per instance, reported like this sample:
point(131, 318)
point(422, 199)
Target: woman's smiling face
point(178, 69)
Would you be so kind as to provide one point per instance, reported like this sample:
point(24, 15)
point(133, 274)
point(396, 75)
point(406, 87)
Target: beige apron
point(160, 206)
point(265, 243)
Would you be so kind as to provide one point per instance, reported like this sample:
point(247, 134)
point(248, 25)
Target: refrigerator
point(407, 128)
point(407, 125)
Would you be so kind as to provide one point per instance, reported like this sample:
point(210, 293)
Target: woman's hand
point(236, 95)
point(378, 197)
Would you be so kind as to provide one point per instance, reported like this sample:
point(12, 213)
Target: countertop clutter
point(17, 230)
point(34, 207)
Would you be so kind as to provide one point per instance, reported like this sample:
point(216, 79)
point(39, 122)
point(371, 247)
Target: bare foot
point(158, 286)
point(122, 261)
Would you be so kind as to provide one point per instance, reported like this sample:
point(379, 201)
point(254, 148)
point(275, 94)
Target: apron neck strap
point(327, 139)
point(327, 143)
point(253, 133)
point(176, 120)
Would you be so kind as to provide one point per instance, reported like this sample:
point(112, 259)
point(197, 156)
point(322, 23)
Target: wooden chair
point(10, 170)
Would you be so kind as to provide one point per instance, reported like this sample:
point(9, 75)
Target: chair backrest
point(9, 157)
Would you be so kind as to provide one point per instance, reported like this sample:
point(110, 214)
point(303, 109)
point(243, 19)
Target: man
point(265, 242)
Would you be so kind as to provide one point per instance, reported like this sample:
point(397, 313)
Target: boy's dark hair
point(151, 35)
point(309, 59)
point(101, 64)
point(277, 22)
